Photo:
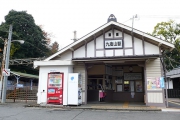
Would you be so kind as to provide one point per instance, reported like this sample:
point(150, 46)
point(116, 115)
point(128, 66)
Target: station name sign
point(113, 44)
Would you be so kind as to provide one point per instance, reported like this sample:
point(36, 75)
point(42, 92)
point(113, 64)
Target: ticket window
point(126, 86)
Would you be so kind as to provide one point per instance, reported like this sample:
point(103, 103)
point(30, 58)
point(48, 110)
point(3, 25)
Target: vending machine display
point(55, 88)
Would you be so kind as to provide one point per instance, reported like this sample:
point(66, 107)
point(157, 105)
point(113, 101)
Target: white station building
point(126, 62)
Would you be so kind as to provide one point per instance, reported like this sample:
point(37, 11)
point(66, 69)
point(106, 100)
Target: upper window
point(109, 34)
point(117, 34)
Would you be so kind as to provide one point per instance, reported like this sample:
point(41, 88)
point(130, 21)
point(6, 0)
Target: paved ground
point(18, 112)
point(174, 103)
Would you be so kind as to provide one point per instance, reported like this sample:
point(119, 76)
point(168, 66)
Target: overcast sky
point(62, 17)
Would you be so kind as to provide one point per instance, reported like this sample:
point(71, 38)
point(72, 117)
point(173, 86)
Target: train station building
point(123, 62)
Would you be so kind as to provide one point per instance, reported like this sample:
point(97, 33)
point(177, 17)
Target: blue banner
point(162, 82)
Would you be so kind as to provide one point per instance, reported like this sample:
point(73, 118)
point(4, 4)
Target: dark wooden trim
point(119, 38)
point(113, 31)
point(72, 54)
point(128, 48)
point(90, 41)
point(121, 57)
point(86, 81)
point(145, 84)
point(99, 49)
point(85, 48)
point(143, 45)
point(79, 47)
point(150, 42)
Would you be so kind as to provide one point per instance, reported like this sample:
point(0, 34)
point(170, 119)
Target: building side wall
point(66, 56)
point(80, 68)
point(80, 52)
point(153, 70)
point(151, 49)
point(90, 49)
point(43, 79)
point(138, 46)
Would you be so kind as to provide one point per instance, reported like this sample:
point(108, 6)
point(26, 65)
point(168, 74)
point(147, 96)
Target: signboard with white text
point(113, 44)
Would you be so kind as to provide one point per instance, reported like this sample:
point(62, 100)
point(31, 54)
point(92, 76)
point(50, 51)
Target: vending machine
point(74, 89)
point(55, 88)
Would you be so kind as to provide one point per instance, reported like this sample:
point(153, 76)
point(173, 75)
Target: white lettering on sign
point(113, 44)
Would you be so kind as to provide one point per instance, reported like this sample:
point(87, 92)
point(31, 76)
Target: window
point(126, 86)
point(117, 34)
point(109, 34)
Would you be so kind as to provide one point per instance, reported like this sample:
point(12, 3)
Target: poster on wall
point(139, 86)
point(155, 83)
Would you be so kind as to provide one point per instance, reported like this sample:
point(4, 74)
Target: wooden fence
point(25, 94)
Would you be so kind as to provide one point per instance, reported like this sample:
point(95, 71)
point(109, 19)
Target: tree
point(55, 47)
point(24, 28)
point(170, 32)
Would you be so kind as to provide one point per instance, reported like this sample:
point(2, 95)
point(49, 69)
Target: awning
point(25, 75)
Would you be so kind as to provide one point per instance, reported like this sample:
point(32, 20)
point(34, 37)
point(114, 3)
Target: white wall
point(80, 68)
point(109, 53)
point(119, 52)
point(100, 53)
point(150, 48)
point(80, 52)
point(90, 49)
point(153, 69)
point(43, 76)
point(99, 42)
point(128, 52)
point(107, 34)
point(138, 47)
point(127, 40)
point(66, 56)
point(117, 31)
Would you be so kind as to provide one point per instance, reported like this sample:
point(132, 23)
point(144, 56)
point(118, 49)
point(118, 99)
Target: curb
point(89, 108)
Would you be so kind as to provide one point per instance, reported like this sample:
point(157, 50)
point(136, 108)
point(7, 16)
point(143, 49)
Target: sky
point(62, 17)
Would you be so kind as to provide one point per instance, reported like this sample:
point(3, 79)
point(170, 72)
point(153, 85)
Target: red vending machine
point(55, 88)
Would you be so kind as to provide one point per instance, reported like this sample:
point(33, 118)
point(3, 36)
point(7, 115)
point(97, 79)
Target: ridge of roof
point(102, 27)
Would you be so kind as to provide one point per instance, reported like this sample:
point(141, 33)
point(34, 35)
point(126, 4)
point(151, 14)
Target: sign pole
point(6, 65)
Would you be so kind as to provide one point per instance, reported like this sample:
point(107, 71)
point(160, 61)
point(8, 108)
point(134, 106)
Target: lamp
point(6, 55)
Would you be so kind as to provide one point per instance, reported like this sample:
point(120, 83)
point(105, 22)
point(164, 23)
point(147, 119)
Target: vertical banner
point(162, 82)
point(158, 82)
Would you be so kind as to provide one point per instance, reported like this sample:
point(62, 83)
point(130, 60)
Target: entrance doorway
point(118, 82)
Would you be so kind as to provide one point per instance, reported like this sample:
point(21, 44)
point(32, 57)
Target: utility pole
point(6, 65)
point(134, 16)
point(2, 65)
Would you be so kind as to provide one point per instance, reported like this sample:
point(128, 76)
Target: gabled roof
point(161, 42)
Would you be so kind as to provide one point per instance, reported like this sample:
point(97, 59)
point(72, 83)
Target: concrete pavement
point(126, 106)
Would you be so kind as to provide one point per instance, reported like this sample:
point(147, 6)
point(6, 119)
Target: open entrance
point(113, 82)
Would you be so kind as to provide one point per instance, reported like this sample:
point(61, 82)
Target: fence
point(24, 94)
point(173, 93)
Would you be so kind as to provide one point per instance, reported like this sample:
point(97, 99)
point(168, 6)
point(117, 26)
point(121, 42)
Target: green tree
point(24, 28)
point(170, 32)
